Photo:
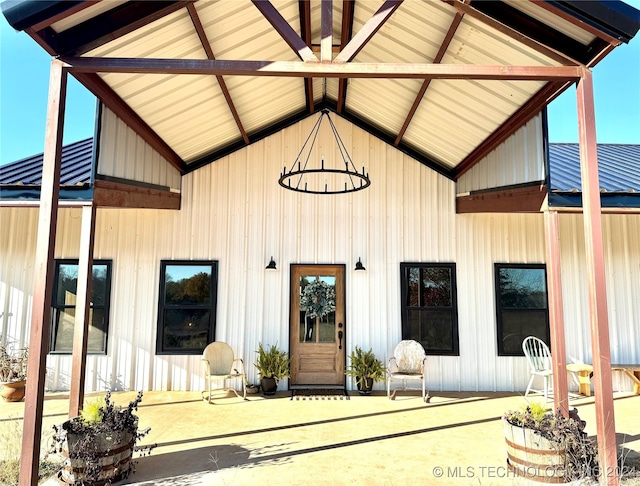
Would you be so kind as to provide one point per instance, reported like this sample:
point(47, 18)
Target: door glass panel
point(317, 309)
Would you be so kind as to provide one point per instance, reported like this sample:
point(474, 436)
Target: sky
point(24, 80)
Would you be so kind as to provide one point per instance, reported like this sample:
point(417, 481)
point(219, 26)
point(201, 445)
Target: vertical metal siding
point(518, 160)
point(120, 147)
point(234, 212)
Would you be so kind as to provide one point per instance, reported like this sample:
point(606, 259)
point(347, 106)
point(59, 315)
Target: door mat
point(319, 394)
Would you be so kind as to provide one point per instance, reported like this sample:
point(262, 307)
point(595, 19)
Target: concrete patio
point(456, 439)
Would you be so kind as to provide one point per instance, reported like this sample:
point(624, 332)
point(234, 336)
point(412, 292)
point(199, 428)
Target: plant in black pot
point(366, 369)
point(273, 365)
point(98, 445)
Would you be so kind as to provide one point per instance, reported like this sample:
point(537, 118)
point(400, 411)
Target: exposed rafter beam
point(436, 60)
point(513, 32)
point(63, 15)
point(513, 123)
point(104, 93)
point(300, 47)
point(345, 36)
point(206, 45)
point(368, 30)
point(304, 7)
point(330, 70)
point(111, 25)
point(326, 30)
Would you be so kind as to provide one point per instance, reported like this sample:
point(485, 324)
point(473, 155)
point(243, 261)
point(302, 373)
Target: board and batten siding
point(233, 211)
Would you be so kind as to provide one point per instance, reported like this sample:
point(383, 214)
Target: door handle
point(340, 334)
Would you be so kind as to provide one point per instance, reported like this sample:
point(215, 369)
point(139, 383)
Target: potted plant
point(251, 388)
point(273, 365)
point(366, 369)
point(548, 447)
point(98, 445)
point(13, 373)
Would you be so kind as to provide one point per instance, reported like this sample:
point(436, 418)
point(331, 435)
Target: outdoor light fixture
point(359, 265)
point(272, 265)
point(320, 179)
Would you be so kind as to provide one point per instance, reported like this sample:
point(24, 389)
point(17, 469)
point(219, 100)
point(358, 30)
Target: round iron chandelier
point(320, 179)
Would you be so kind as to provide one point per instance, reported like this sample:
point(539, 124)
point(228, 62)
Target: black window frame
point(55, 308)
point(453, 308)
point(162, 307)
point(499, 308)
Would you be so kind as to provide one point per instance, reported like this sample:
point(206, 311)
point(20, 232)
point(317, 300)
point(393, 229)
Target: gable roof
point(198, 80)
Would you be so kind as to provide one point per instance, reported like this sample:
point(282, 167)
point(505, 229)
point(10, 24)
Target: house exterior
point(200, 180)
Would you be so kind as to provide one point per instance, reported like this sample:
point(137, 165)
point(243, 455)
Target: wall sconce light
point(359, 265)
point(272, 265)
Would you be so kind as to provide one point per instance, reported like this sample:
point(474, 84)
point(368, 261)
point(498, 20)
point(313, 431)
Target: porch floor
point(456, 439)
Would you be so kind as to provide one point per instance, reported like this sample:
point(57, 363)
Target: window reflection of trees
point(523, 288)
point(191, 290)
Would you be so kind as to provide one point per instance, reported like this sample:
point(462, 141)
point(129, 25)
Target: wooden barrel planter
point(107, 461)
point(533, 457)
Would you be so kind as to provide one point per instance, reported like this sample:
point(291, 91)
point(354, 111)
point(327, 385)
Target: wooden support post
point(43, 277)
point(83, 310)
point(556, 317)
point(601, 351)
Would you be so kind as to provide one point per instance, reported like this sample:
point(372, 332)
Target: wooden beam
point(598, 314)
point(517, 200)
point(63, 15)
point(517, 120)
point(326, 30)
point(304, 8)
point(43, 277)
point(206, 45)
point(293, 40)
point(109, 194)
point(346, 32)
point(423, 89)
point(363, 70)
point(556, 315)
point(113, 24)
point(368, 30)
point(83, 310)
point(110, 98)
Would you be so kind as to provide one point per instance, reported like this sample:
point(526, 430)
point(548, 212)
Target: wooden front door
point(317, 325)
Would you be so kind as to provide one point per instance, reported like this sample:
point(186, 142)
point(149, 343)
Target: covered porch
point(455, 439)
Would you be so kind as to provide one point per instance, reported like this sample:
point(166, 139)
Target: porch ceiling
point(234, 71)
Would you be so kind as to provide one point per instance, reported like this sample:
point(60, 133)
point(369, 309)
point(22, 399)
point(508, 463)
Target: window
point(64, 306)
point(429, 308)
point(521, 306)
point(187, 308)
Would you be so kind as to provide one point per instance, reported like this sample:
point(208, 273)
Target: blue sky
point(24, 79)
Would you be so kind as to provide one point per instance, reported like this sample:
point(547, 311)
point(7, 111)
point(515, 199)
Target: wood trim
point(110, 98)
point(43, 276)
point(326, 30)
point(368, 30)
point(63, 15)
point(317, 69)
point(516, 121)
point(304, 8)
point(109, 194)
point(282, 27)
point(436, 60)
point(206, 45)
point(83, 310)
point(519, 200)
point(346, 33)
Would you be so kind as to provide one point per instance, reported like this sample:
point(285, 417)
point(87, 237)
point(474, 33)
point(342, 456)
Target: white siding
point(233, 211)
point(124, 154)
point(520, 159)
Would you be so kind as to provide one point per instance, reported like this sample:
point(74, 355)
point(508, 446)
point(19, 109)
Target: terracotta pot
point(13, 391)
